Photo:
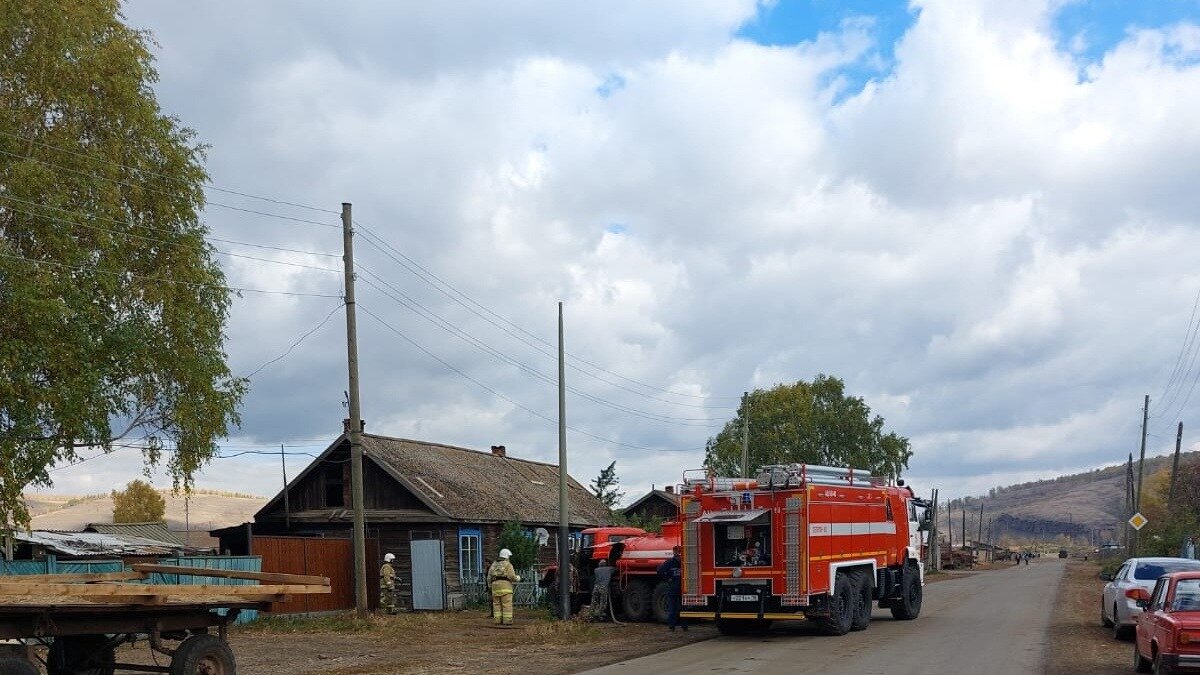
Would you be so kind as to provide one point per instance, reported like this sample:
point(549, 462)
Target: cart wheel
point(203, 655)
point(80, 655)
point(13, 665)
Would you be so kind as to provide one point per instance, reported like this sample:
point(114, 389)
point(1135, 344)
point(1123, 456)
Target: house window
point(470, 563)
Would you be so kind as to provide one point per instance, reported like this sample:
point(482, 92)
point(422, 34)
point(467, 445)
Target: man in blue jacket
point(671, 571)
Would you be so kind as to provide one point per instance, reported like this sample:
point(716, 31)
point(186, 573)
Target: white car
point(1121, 612)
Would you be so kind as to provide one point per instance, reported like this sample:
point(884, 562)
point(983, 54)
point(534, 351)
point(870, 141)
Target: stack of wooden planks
point(130, 588)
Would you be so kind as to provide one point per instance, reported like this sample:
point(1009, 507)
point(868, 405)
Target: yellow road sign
point(1138, 521)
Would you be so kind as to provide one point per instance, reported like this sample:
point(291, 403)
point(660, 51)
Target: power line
point(90, 216)
point(495, 393)
point(84, 268)
point(449, 327)
point(176, 244)
point(297, 342)
point(470, 304)
point(163, 192)
point(208, 186)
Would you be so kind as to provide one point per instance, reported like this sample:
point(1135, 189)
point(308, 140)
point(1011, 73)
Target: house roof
point(87, 544)
point(471, 486)
point(156, 531)
point(670, 497)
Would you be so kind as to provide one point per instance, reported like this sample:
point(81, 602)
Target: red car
point(1168, 629)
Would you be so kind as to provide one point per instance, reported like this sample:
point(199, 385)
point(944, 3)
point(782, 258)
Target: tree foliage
point(138, 503)
point(606, 485)
point(810, 422)
point(523, 546)
point(112, 308)
point(1169, 525)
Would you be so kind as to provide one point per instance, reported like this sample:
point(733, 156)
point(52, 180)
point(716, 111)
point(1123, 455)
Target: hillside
point(204, 511)
point(1086, 506)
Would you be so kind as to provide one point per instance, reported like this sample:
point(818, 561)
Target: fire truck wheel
point(908, 605)
point(637, 600)
point(841, 607)
point(863, 604)
point(659, 602)
point(12, 665)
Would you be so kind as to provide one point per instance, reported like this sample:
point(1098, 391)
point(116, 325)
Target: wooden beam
point(269, 577)
point(95, 577)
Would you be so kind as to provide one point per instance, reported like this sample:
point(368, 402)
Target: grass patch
point(573, 632)
point(342, 622)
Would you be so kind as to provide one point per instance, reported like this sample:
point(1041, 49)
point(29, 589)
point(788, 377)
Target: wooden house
point(438, 508)
point(662, 504)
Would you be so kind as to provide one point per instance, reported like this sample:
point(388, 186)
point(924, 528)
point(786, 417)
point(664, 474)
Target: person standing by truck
point(671, 571)
point(501, 577)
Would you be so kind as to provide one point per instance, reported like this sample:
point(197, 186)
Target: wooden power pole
point(356, 453)
point(564, 529)
point(1175, 465)
point(746, 434)
point(1137, 497)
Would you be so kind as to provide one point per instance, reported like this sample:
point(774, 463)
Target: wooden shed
point(438, 508)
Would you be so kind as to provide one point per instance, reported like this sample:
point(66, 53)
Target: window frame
point(465, 535)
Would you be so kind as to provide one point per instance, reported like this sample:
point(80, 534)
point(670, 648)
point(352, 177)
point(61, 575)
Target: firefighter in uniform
point(670, 571)
point(501, 577)
point(387, 585)
point(600, 594)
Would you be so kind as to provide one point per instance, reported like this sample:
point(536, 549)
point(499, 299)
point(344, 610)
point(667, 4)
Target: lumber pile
point(131, 587)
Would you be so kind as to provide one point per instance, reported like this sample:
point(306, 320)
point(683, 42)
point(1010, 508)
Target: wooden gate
point(331, 558)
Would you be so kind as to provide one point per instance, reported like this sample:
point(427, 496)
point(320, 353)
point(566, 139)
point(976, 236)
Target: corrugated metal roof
point(82, 544)
point(156, 531)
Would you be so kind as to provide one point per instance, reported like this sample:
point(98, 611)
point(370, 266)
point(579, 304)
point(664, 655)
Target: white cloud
point(992, 246)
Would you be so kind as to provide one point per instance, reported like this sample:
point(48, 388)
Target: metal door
point(427, 574)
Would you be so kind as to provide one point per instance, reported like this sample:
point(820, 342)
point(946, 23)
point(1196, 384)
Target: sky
point(982, 215)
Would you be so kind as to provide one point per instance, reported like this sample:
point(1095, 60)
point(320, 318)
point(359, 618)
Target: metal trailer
point(83, 618)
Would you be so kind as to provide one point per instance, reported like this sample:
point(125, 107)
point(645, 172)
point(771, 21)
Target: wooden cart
point(83, 618)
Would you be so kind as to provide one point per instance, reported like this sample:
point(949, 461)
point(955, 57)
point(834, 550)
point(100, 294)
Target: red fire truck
point(636, 554)
point(800, 541)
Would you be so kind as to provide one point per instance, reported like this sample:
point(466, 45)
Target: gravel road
point(996, 622)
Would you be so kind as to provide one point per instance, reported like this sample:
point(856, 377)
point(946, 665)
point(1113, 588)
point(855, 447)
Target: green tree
point(138, 503)
point(523, 546)
point(810, 422)
point(606, 485)
point(1169, 526)
point(112, 308)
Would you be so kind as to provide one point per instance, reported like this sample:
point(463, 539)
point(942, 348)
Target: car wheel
point(1161, 667)
point(1141, 664)
point(1104, 620)
point(1121, 632)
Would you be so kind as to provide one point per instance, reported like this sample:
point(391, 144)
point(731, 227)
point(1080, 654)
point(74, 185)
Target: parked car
point(1119, 610)
point(1168, 628)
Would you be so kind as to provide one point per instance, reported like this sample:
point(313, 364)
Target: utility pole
point(1175, 466)
point(564, 563)
point(979, 538)
point(287, 507)
point(356, 453)
point(746, 434)
point(1127, 528)
point(964, 524)
point(1137, 498)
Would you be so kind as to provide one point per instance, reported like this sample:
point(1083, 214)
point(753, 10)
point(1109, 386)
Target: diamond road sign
point(1138, 521)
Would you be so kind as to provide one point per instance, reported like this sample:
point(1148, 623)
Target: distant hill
point(204, 510)
point(1085, 506)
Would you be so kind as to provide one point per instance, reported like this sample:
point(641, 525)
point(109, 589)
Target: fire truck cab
point(800, 542)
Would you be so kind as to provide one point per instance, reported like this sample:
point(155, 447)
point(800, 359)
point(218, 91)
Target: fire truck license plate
point(743, 598)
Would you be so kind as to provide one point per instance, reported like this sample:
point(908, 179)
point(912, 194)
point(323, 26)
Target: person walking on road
point(501, 577)
point(387, 585)
point(671, 571)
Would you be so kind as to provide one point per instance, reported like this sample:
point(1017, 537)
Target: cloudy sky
point(981, 214)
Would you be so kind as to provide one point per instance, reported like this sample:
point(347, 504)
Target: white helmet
point(505, 554)
point(388, 557)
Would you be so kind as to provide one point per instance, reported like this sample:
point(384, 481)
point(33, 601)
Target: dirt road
point(995, 622)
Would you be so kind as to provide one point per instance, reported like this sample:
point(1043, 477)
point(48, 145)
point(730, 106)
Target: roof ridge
point(455, 447)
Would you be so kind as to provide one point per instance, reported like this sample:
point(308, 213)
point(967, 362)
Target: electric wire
point(208, 186)
point(297, 342)
point(207, 202)
point(193, 284)
point(496, 393)
point(449, 327)
point(470, 305)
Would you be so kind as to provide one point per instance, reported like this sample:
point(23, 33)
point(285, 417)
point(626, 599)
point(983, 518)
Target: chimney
point(498, 451)
point(670, 489)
